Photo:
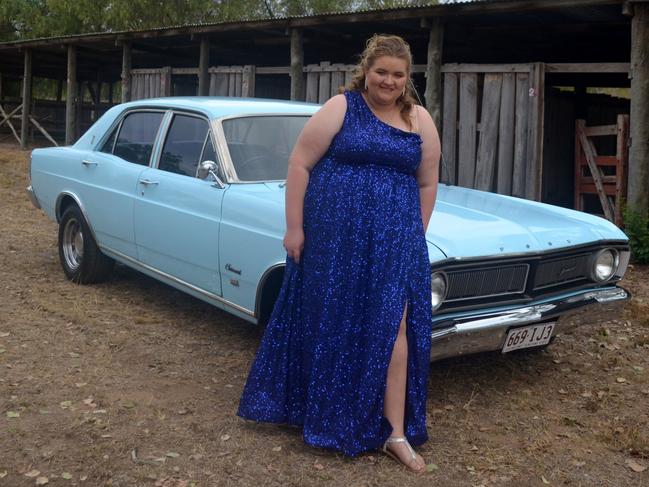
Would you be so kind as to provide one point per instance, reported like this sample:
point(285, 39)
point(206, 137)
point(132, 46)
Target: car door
point(112, 172)
point(177, 214)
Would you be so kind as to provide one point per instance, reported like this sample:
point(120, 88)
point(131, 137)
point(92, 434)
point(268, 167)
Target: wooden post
point(248, 88)
point(71, 96)
point(27, 98)
point(534, 169)
point(433, 94)
point(297, 65)
point(638, 196)
point(126, 72)
point(203, 65)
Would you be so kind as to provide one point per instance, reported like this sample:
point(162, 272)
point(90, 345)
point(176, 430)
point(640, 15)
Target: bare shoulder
point(423, 115)
point(331, 114)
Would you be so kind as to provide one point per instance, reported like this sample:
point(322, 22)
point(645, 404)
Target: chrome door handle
point(147, 182)
point(86, 162)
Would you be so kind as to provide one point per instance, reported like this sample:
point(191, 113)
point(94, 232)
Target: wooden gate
point(492, 127)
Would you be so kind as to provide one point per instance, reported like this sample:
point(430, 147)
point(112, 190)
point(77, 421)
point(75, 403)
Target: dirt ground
point(131, 383)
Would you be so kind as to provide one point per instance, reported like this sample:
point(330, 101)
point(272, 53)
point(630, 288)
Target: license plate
point(528, 336)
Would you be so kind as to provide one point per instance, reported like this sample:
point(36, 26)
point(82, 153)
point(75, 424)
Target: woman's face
point(386, 79)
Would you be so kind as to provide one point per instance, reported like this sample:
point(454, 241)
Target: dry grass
point(112, 381)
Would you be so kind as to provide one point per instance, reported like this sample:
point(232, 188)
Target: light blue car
point(191, 192)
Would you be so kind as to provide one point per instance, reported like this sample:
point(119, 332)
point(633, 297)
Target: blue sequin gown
point(322, 363)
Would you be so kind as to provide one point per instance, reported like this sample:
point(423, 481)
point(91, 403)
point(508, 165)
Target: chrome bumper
point(475, 332)
point(32, 197)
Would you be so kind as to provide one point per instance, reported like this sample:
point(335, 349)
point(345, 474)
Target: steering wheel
point(247, 164)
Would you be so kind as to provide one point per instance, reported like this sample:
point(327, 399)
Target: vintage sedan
point(191, 192)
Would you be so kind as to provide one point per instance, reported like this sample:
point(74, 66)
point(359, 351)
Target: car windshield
point(259, 146)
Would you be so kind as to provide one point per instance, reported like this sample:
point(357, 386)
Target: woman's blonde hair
point(385, 45)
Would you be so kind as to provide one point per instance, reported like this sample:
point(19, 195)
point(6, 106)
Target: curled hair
point(385, 45)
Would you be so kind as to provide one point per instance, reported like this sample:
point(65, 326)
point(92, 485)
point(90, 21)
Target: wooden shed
point(543, 99)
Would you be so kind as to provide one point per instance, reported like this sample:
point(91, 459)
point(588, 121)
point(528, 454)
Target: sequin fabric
point(322, 363)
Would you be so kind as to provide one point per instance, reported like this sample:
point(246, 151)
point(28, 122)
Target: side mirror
point(205, 169)
point(209, 169)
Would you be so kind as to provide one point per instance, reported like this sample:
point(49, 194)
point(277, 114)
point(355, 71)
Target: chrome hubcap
point(73, 244)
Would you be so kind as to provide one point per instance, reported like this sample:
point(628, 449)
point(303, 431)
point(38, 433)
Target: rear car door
point(112, 172)
point(177, 214)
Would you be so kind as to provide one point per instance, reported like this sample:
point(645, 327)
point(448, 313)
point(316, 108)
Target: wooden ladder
point(589, 175)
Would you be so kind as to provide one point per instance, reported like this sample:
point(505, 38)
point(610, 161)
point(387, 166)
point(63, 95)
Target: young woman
point(346, 351)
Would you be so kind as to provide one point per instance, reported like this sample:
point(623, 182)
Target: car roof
point(217, 107)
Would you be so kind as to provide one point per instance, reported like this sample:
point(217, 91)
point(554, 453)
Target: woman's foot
point(398, 448)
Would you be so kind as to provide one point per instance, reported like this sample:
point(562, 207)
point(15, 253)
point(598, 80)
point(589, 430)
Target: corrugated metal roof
point(416, 6)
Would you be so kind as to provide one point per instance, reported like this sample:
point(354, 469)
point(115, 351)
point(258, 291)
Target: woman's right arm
point(311, 145)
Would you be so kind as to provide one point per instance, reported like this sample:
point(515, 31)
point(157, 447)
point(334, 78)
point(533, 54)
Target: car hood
point(469, 223)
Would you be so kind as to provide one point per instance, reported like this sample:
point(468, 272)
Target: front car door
point(177, 215)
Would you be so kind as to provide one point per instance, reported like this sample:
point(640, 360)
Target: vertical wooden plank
point(27, 98)
point(312, 84)
point(238, 81)
point(449, 129)
point(488, 139)
point(248, 85)
point(324, 86)
point(212, 91)
point(579, 124)
point(535, 132)
point(126, 72)
point(222, 84)
point(231, 84)
point(71, 96)
point(506, 131)
point(433, 93)
point(297, 65)
point(467, 129)
point(165, 81)
point(622, 155)
point(349, 74)
point(79, 108)
point(337, 78)
point(203, 64)
point(638, 197)
point(520, 134)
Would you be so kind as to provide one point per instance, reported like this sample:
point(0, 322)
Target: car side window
point(136, 137)
point(183, 146)
point(110, 142)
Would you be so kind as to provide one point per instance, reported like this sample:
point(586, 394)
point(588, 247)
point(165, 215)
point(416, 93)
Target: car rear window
point(136, 137)
point(184, 144)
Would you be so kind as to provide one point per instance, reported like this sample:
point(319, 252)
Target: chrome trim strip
point(215, 297)
point(32, 197)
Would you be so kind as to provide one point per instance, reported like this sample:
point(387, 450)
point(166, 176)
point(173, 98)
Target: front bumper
point(32, 197)
point(476, 331)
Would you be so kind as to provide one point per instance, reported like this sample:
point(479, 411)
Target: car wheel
point(81, 259)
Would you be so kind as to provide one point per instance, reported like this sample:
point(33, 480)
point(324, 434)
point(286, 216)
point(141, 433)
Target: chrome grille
point(558, 271)
point(482, 283)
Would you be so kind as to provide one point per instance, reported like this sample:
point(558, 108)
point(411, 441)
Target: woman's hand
point(294, 243)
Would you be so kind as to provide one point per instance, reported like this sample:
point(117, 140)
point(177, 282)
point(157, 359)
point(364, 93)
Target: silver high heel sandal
point(413, 455)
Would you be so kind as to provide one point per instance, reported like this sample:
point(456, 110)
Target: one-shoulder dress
point(323, 360)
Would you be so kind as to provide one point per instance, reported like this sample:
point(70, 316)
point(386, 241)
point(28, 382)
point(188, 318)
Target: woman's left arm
point(428, 171)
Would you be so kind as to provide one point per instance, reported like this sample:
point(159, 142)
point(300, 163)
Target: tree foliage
point(28, 19)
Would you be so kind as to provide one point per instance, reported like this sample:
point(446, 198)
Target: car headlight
point(604, 265)
point(438, 289)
